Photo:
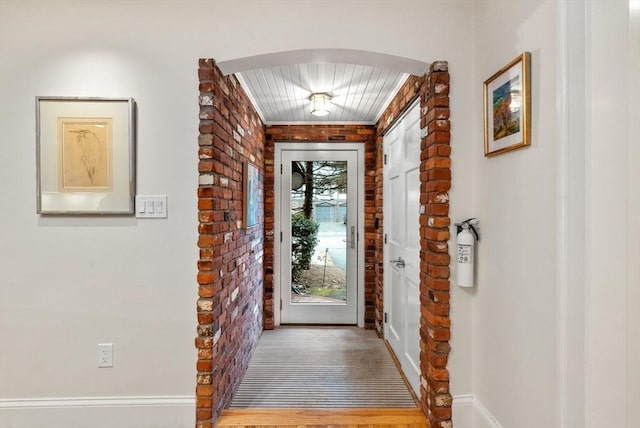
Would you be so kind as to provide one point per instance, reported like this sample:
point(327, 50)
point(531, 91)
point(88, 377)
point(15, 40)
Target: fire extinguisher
point(467, 237)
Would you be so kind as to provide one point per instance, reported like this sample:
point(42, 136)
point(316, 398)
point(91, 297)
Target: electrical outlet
point(105, 354)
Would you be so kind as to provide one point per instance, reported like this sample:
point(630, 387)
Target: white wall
point(514, 197)
point(460, 208)
point(607, 174)
point(70, 283)
point(555, 325)
point(612, 216)
point(600, 374)
point(633, 281)
point(570, 230)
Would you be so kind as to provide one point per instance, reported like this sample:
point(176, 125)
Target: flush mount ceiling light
point(320, 103)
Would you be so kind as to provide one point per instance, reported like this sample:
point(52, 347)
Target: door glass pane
point(319, 232)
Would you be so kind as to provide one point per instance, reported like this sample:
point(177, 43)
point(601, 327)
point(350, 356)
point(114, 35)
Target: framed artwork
point(85, 155)
point(251, 187)
point(507, 112)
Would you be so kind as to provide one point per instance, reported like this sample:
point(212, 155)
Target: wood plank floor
point(334, 418)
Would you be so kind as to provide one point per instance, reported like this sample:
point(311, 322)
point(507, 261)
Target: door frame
point(318, 146)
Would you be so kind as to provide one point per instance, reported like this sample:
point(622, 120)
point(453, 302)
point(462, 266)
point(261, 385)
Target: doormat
point(322, 367)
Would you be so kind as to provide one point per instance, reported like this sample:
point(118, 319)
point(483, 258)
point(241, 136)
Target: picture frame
point(507, 107)
point(250, 202)
point(85, 154)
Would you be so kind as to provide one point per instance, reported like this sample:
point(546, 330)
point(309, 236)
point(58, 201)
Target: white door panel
point(412, 134)
point(412, 183)
point(402, 229)
point(413, 325)
point(396, 324)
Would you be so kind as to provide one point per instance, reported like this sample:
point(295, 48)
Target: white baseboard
point(99, 412)
point(483, 417)
point(469, 412)
point(462, 409)
point(161, 412)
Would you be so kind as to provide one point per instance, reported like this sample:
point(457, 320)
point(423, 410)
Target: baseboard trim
point(485, 414)
point(69, 402)
point(463, 411)
point(462, 399)
point(469, 412)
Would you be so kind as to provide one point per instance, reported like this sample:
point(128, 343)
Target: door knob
point(398, 262)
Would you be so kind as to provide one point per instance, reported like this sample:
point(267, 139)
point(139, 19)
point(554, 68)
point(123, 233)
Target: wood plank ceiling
point(360, 93)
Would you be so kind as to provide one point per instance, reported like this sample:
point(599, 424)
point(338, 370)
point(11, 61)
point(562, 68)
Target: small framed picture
point(251, 196)
point(85, 155)
point(507, 112)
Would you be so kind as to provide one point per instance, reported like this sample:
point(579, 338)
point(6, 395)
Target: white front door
point(318, 194)
point(402, 236)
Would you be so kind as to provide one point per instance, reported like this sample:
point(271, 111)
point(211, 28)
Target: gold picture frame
point(85, 155)
point(507, 107)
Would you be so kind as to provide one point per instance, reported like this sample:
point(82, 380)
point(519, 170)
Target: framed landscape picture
point(507, 107)
point(85, 155)
point(251, 187)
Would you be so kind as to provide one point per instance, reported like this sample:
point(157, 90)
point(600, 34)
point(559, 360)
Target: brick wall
point(322, 133)
point(230, 268)
point(435, 182)
point(435, 179)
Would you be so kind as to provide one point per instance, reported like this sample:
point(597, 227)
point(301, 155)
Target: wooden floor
point(336, 418)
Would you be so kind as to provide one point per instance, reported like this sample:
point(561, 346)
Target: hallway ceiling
point(359, 93)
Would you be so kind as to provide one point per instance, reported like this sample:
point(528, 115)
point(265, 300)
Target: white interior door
point(325, 291)
point(402, 236)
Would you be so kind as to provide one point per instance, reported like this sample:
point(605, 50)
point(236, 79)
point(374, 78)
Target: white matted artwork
point(85, 155)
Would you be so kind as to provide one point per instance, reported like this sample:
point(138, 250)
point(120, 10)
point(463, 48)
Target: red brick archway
point(236, 266)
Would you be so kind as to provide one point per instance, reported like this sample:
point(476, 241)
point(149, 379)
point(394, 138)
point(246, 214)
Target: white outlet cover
point(105, 354)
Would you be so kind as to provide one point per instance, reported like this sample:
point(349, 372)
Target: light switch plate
point(151, 206)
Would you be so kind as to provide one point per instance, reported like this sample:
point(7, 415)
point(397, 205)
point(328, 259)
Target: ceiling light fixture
point(320, 103)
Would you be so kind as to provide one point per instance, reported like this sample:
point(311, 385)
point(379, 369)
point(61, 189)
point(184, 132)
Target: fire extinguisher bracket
point(472, 225)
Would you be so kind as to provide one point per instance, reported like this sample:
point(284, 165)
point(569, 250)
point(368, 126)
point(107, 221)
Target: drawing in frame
point(507, 107)
point(251, 187)
point(85, 155)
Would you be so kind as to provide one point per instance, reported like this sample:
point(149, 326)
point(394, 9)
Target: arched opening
point(236, 266)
